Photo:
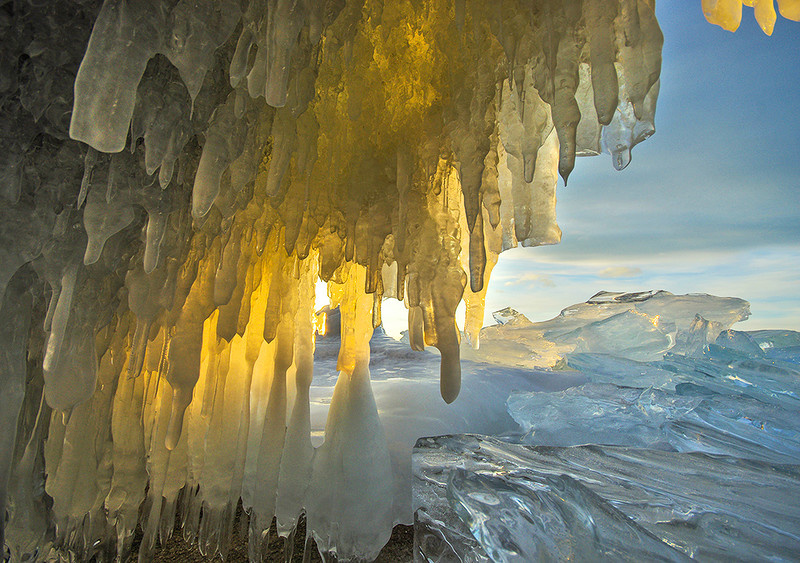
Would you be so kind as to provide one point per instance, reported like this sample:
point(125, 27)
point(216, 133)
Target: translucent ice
point(16, 305)
point(693, 418)
point(598, 413)
point(125, 36)
point(493, 500)
point(390, 148)
point(638, 326)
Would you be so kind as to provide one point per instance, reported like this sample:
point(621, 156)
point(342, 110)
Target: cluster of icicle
point(158, 280)
point(728, 13)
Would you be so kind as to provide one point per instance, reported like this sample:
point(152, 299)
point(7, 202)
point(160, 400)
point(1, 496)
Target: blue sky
point(710, 203)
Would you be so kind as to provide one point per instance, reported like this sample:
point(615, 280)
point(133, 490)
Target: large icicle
point(352, 477)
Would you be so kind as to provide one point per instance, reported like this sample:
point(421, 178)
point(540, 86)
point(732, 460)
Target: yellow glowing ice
point(728, 13)
point(389, 149)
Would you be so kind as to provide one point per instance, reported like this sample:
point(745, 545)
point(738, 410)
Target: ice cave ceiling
point(176, 176)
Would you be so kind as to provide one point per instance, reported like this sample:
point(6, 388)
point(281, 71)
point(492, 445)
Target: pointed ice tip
point(174, 428)
point(92, 254)
point(449, 395)
point(450, 377)
point(621, 158)
point(199, 211)
point(150, 263)
point(566, 164)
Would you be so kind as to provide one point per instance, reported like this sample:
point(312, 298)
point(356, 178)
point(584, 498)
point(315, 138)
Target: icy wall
point(175, 177)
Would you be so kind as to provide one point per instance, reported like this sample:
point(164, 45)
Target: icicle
point(16, 309)
point(102, 220)
point(124, 38)
point(286, 17)
point(765, 14)
point(352, 478)
point(790, 9)
point(224, 142)
point(70, 360)
point(725, 13)
point(89, 163)
point(600, 16)
point(295, 470)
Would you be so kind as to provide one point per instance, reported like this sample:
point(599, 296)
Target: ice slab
point(730, 398)
point(691, 419)
point(477, 498)
point(638, 326)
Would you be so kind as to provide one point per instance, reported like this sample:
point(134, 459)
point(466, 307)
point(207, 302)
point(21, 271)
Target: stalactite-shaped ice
point(295, 471)
point(627, 130)
point(390, 149)
point(600, 17)
point(284, 20)
point(587, 136)
point(529, 155)
point(13, 344)
point(224, 142)
point(185, 348)
point(274, 429)
point(725, 13)
point(765, 14)
point(198, 28)
point(70, 362)
point(21, 228)
point(565, 109)
point(728, 13)
point(790, 9)
point(352, 478)
point(102, 219)
point(125, 36)
point(141, 289)
point(129, 478)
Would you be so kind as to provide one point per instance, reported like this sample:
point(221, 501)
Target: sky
point(709, 204)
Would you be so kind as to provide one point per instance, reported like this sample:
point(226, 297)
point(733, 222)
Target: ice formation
point(694, 455)
point(490, 500)
point(176, 175)
point(638, 326)
point(728, 13)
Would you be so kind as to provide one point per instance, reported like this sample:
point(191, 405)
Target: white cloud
point(532, 279)
point(619, 272)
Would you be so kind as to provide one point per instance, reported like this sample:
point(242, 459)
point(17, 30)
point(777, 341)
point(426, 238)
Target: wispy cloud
point(532, 279)
point(619, 272)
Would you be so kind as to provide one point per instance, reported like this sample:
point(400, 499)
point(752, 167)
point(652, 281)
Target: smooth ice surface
point(482, 499)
